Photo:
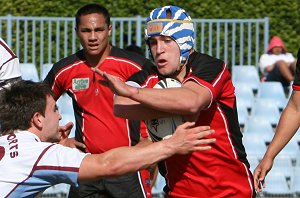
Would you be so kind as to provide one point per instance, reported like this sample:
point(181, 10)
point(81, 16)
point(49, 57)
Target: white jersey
point(9, 63)
point(29, 166)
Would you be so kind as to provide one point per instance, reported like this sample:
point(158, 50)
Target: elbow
point(189, 107)
point(193, 107)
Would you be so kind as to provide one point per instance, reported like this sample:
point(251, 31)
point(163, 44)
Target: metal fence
point(42, 40)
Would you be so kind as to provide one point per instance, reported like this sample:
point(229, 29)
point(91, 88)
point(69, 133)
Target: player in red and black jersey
point(206, 97)
point(96, 126)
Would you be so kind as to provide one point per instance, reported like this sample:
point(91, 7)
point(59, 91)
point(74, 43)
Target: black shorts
point(119, 187)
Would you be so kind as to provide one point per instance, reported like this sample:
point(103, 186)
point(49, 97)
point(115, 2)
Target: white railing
point(41, 40)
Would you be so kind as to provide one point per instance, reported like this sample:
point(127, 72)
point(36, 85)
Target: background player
point(96, 126)
point(10, 70)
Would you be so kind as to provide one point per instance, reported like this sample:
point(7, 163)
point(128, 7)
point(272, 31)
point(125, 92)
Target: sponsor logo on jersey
point(80, 83)
point(154, 124)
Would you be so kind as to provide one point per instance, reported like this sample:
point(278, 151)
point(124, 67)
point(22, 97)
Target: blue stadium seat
point(295, 187)
point(291, 150)
point(276, 184)
point(244, 95)
point(253, 161)
point(242, 115)
point(284, 164)
point(258, 125)
point(247, 74)
point(29, 72)
point(255, 148)
point(157, 190)
point(266, 109)
point(274, 92)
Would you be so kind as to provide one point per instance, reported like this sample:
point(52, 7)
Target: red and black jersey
point(296, 83)
point(222, 171)
point(96, 125)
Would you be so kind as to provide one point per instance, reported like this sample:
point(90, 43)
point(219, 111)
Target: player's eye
point(55, 108)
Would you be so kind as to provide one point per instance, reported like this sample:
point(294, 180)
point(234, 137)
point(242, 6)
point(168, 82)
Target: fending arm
point(118, 161)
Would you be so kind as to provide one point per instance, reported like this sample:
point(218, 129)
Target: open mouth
point(161, 62)
point(93, 46)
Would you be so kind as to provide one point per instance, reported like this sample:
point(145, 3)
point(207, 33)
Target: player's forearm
point(123, 160)
point(136, 158)
point(127, 108)
point(172, 100)
point(287, 126)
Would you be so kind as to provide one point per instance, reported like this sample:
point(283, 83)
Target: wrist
point(135, 91)
point(169, 147)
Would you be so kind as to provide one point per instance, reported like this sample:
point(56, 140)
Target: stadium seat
point(276, 184)
point(244, 95)
point(29, 72)
point(284, 164)
point(295, 187)
point(247, 74)
point(242, 115)
point(266, 109)
point(157, 190)
point(274, 92)
point(255, 148)
point(291, 150)
point(258, 125)
point(45, 68)
point(253, 161)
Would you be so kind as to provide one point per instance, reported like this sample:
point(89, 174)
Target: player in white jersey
point(40, 168)
point(30, 162)
point(9, 65)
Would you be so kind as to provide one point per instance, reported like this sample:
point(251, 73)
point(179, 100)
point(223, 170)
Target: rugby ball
point(163, 128)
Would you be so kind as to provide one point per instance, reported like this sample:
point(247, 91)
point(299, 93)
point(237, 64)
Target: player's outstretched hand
point(64, 132)
point(116, 84)
point(188, 138)
point(261, 172)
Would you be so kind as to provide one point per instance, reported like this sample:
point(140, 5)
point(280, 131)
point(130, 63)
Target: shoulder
point(70, 59)
point(59, 66)
point(133, 57)
point(199, 60)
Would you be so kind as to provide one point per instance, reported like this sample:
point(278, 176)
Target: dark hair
point(19, 103)
point(90, 9)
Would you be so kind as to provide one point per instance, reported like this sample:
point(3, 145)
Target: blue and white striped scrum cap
point(174, 22)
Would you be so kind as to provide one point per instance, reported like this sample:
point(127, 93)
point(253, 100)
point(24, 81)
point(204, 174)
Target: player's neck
point(96, 60)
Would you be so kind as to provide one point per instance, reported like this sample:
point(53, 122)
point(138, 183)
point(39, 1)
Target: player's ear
point(76, 30)
point(109, 30)
point(36, 120)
